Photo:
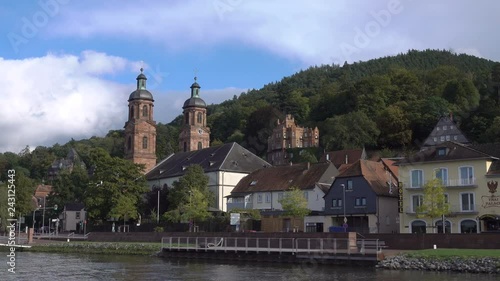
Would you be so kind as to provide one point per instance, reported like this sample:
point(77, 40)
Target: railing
point(332, 246)
point(71, 234)
point(462, 183)
point(454, 208)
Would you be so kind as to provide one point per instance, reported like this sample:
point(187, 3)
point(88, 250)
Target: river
point(67, 267)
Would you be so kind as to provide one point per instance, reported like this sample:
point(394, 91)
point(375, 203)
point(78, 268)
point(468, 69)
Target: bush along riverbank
point(114, 248)
point(456, 264)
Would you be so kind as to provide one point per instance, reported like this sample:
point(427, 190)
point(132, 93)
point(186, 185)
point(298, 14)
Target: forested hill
point(388, 103)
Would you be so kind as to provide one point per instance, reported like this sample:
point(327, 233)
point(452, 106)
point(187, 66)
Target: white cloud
point(312, 32)
point(54, 98)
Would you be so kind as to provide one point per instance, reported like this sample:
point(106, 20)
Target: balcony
point(450, 183)
point(455, 209)
point(239, 205)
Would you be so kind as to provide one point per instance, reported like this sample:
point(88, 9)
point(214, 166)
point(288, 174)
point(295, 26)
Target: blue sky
point(68, 66)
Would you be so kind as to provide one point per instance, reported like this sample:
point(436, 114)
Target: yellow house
point(470, 175)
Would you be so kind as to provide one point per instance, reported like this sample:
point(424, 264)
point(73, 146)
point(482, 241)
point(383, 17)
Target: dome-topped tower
point(140, 129)
point(141, 92)
point(195, 134)
point(195, 99)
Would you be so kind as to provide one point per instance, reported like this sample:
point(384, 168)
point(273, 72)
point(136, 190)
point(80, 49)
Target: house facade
point(224, 165)
point(73, 217)
point(263, 190)
point(469, 177)
point(364, 199)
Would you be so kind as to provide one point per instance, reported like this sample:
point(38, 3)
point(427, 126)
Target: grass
point(447, 253)
point(118, 248)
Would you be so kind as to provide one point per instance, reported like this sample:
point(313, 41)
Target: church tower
point(140, 129)
point(195, 134)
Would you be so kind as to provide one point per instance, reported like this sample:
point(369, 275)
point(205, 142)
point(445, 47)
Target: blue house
point(364, 198)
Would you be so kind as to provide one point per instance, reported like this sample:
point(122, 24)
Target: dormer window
point(444, 128)
point(441, 151)
point(253, 183)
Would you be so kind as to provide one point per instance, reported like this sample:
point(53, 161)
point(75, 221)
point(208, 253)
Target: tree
point(394, 127)
point(434, 204)
point(69, 187)
point(294, 203)
point(352, 130)
point(116, 189)
point(190, 197)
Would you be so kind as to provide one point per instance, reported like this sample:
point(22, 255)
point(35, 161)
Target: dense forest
point(389, 104)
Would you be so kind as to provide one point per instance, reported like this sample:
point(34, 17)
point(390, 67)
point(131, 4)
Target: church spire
point(141, 81)
point(195, 89)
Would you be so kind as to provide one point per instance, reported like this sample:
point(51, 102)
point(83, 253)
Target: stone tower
point(195, 134)
point(140, 129)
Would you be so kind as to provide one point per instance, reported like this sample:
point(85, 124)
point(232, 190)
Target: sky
point(67, 67)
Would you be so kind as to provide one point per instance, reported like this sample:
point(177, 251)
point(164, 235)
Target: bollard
point(435, 247)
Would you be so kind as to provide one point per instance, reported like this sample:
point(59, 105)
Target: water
point(67, 267)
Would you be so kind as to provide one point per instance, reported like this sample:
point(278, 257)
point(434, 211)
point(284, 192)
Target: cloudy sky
point(67, 67)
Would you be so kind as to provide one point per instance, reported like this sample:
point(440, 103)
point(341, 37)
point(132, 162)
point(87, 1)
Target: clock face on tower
point(200, 131)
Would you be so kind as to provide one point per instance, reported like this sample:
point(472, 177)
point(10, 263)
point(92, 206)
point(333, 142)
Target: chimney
point(451, 116)
point(346, 159)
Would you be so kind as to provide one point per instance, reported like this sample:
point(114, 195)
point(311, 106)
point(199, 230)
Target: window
point(467, 202)
point(451, 127)
point(349, 184)
point(131, 112)
point(259, 198)
point(437, 128)
point(444, 128)
point(416, 201)
point(200, 145)
point(268, 197)
point(145, 111)
point(441, 151)
point(200, 118)
point(280, 196)
point(442, 174)
point(455, 138)
point(186, 118)
point(435, 139)
point(442, 138)
point(417, 178)
point(77, 215)
point(447, 137)
point(306, 195)
point(418, 226)
point(129, 143)
point(253, 183)
point(447, 226)
point(468, 226)
point(466, 175)
point(336, 203)
point(145, 142)
point(360, 201)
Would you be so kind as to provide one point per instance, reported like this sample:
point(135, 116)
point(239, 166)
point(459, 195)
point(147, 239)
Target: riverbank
point(455, 260)
point(114, 248)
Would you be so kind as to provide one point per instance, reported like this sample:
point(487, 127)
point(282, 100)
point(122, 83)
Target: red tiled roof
point(43, 190)
point(346, 156)
point(390, 164)
point(376, 174)
point(283, 178)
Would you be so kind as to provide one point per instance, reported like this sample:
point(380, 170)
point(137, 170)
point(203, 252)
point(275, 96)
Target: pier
point(321, 250)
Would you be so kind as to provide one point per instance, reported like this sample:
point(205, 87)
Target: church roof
point(194, 102)
point(230, 157)
point(141, 93)
point(445, 130)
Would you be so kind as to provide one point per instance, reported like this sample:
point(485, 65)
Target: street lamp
point(343, 204)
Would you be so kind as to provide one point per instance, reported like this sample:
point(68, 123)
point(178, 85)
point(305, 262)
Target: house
point(287, 135)
point(73, 217)
point(225, 166)
point(470, 176)
point(39, 197)
point(264, 188)
point(72, 160)
point(345, 156)
point(363, 198)
point(445, 130)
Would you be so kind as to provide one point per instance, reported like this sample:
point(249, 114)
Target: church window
point(129, 143)
point(131, 112)
point(199, 145)
point(200, 118)
point(145, 142)
point(185, 146)
point(145, 111)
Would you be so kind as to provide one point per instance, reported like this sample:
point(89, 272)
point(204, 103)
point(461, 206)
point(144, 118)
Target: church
point(225, 165)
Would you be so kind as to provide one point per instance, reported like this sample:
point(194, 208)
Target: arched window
point(185, 146)
point(439, 226)
point(145, 142)
point(186, 118)
point(131, 112)
point(199, 145)
point(418, 226)
point(200, 118)
point(468, 226)
point(129, 143)
point(145, 111)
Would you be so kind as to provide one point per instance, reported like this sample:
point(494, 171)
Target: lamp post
point(158, 208)
point(43, 216)
point(343, 204)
